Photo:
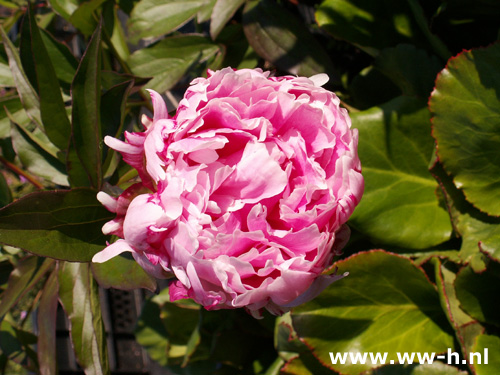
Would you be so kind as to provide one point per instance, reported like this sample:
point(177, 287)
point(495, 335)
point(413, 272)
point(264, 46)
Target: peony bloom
point(244, 193)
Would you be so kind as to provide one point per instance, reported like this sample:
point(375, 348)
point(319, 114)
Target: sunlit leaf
point(63, 224)
point(222, 12)
point(84, 18)
point(487, 344)
point(386, 304)
point(79, 295)
point(399, 205)
point(170, 59)
point(35, 159)
point(124, 273)
point(466, 124)
point(151, 18)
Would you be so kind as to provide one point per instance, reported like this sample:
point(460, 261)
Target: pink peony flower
point(245, 192)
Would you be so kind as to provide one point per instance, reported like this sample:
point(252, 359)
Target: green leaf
point(371, 24)
point(13, 106)
point(399, 205)
point(66, 63)
point(24, 277)
point(47, 314)
point(164, 328)
point(123, 272)
point(466, 328)
point(475, 292)
point(79, 295)
point(411, 69)
point(466, 118)
point(35, 159)
point(222, 12)
point(371, 88)
point(26, 92)
point(52, 109)
point(6, 78)
point(5, 193)
point(170, 59)
point(65, 8)
point(84, 156)
point(435, 368)
point(480, 233)
point(84, 18)
point(277, 36)
point(491, 344)
point(63, 224)
point(114, 30)
point(205, 11)
point(152, 18)
point(386, 304)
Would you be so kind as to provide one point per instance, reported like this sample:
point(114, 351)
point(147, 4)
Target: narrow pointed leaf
point(66, 65)
point(84, 18)
point(65, 8)
point(53, 112)
point(58, 224)
point(27, 93)
point(47, 314)
point(6, 78)
point(222, 12)
point(169, 60)
point(13, 106)
point(35, 158)
point(276, 35)
point(79, 295)
point(84, 159)
point(24, 277)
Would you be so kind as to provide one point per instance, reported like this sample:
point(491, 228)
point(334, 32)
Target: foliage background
point(422, 82)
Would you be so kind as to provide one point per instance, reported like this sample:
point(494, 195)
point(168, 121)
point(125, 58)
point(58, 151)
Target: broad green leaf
point(52, 109)
point(66, 63)
point(491, 345)
point(466, 328)
point(37, 160)
point(84, 156)
point(47, 314)
point(152, 18)
point(24, 277)
point(277, 36)
point(480, 233)
point(370, 24)
point(386, 304)
point(6, 78)
point(170, 59)
point(222, 12)
point(475, 293)
point(79, 295)
point(84, 18)
point(64, 224)
point(466, 117)
point(411, 69)
point(123, 272)
point(26, 92)
point(65, 8)
point(399, 205)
